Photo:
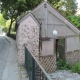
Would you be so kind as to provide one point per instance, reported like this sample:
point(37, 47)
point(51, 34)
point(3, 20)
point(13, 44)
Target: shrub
point(75, 20)
point(76, 68)
point(62, 65)
point(12, 36)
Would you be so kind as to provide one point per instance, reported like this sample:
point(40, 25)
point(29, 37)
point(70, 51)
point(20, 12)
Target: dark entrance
point(60, 49)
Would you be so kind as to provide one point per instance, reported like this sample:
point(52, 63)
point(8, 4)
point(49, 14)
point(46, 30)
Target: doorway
point(60, 49)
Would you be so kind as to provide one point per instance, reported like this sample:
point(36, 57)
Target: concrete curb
point(7, 39)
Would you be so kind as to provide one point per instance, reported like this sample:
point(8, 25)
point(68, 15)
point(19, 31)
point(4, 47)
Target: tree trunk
point(10, 26)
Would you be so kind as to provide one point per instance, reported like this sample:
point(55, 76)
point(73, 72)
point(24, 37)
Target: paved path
point(8, 60)
point(2, 43)
point(3, 55)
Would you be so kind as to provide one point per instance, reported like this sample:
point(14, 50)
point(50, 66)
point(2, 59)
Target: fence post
point(33, 69)
point(32, 65)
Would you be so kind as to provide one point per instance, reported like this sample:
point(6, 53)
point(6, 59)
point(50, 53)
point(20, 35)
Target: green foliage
point(2, 21)
point(39, 53)
point(75, 20)
point(62, 65)
point(66, 7)
point(33, 3)
point(12, 9)
point(6, 26)
point(8, 23)
point(20, 16)
point(5, 29)
point(13, 27)
point(71, 7)
point(76, 68)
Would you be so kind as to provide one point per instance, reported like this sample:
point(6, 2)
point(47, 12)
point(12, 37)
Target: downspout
point(45, 7)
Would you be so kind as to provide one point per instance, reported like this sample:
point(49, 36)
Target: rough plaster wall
point(52, 19)
point(61, 31)
point(53, 23)
point(57, 14)
point(48, 47)
point(72, 43)
point(56, 24)
point(40, 12)
point(72, 57)
point(28, 34)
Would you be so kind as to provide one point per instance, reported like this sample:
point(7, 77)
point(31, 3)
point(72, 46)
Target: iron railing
point(34, 69)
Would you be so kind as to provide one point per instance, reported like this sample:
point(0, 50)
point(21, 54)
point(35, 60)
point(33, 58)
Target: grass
point(62, 65)
point(76, 67)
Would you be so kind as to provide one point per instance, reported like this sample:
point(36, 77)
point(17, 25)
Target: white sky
point(78, 1)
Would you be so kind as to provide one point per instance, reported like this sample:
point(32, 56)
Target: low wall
point(72, 57)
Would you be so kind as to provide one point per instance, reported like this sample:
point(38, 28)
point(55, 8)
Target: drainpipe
point(45, 7)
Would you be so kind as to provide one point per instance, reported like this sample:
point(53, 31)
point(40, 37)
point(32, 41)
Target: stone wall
point(72, 57)
point(28, 34)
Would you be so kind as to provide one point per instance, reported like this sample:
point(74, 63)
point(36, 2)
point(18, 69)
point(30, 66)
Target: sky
point(78, 1)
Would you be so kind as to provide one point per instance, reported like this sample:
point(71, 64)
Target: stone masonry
point(27, 34)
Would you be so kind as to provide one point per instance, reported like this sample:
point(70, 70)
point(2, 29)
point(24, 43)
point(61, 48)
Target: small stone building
point(28, 35)
point(48, 35)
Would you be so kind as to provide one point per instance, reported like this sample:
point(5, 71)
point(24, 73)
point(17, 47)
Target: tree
point(15, 8)
point(68, 7)
point(33, 3)
point(75, 20)
point(12, 10)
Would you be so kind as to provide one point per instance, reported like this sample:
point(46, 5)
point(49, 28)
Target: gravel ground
point(23, 72)
point(64, 75)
